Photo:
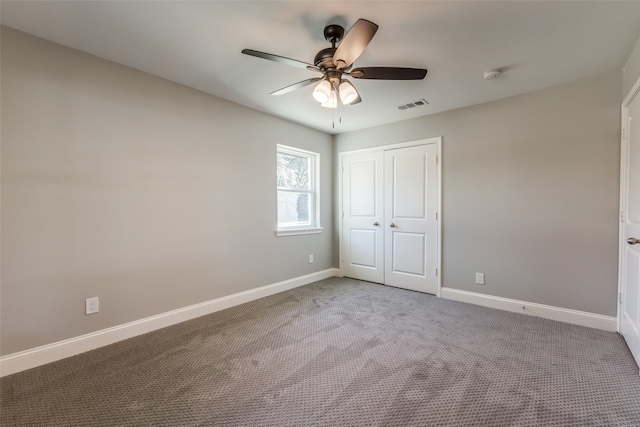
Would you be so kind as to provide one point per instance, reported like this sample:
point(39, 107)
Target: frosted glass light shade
point(322, 92)
point(332, 102)
point(348, 92)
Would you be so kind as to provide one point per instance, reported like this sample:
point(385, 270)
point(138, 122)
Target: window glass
point(293, 171)
point(297, 188)
point(293, 209)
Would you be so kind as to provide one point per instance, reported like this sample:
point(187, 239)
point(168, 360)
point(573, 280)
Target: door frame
point(624, 149)
point(434, 140)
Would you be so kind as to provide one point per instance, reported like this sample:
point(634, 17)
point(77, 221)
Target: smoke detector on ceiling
point(491, 74)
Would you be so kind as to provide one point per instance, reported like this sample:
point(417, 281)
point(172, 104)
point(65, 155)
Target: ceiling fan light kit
point(332, 102)
point(348, 92)
point(335, 62)
point(322, 92)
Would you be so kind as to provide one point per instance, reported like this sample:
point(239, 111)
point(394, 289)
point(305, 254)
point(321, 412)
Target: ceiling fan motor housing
point(324, 58)
point(333, 34)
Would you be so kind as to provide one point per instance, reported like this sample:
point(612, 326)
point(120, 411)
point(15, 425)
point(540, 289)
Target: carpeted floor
point(340, 352)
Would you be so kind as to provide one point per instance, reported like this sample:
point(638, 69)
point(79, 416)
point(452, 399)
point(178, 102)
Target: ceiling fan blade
point(389, 73)
point(276, 58)
point(354, 43)
point(296, 86)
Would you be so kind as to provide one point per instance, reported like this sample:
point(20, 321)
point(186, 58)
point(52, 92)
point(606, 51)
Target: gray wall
point(530, 192)
point(145, 193)
point(632, 69)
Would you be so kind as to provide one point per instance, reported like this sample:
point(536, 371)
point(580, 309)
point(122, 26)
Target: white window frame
point(314, 194)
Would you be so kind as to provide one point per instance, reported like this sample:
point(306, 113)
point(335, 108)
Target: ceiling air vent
point(414, 104)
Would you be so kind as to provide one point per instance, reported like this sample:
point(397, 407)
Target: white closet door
point(411, 225)
point(363, 217)
point(629, 314)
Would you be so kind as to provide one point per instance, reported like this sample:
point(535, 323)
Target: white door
point(363, 217)
point(411, 225)
point(629, 314)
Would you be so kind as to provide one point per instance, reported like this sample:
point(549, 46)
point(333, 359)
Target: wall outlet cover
point(92, 305)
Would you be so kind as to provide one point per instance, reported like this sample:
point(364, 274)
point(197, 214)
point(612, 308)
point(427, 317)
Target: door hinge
point(436, 271)
point(621, 216)
point(619, 297)
point(624, 133)
point(436, 216)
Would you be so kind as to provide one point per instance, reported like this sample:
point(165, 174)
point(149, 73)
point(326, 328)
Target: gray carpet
point(340, 353)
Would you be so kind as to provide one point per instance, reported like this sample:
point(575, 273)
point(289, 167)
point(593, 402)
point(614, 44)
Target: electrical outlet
point(311, 259)
point(480, 278)
point(92, 305)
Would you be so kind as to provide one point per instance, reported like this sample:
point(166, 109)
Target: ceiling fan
point(334, 63)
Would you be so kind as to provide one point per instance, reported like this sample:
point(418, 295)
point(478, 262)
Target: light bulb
point(322, 92)
point(348, 92)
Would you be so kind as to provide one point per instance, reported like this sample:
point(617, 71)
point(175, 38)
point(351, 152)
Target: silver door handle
point(376, 224)
point(633, 241)
point(392, 225)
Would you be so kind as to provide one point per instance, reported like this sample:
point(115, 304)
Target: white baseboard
point(38, 356)
point(566, 315)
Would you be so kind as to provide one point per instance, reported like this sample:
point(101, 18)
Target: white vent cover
point(414, 104)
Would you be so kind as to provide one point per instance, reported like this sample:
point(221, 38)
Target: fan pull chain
point(338, 104)
point(333, 118)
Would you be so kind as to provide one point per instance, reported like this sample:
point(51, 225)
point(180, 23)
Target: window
point(298, 210)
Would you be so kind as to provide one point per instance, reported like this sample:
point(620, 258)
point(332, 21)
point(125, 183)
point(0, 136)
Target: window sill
point(298, 231)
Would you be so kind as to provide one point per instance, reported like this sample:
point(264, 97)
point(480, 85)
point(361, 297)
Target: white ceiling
point(537, 44)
